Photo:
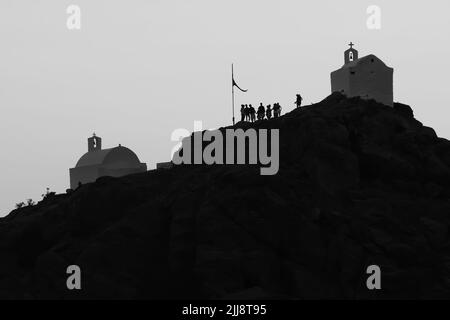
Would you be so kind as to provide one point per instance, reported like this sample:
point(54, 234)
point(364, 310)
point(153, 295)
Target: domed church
point(98, 162)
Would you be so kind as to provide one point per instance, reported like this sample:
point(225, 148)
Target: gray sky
point(139, 69)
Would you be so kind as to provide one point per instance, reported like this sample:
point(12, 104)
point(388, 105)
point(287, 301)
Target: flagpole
point(232, 90)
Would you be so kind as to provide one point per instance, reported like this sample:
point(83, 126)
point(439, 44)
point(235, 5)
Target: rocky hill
point(359, 184)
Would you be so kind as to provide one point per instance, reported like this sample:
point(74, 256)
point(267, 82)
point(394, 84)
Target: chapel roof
point(100, 157)
point(360, 60)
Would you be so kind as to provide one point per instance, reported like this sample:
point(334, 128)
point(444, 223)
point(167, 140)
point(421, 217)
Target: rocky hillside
point(359, 184)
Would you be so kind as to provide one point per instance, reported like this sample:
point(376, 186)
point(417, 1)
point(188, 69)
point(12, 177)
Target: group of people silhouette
point(248, 113)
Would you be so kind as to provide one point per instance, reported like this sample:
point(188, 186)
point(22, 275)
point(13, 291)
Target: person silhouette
point(252, 113)
point(261, 112)
point(242, 112)
point(275, 110)
point(279, 109)
point(269, 112)
point(247, 113)
point(299, 100)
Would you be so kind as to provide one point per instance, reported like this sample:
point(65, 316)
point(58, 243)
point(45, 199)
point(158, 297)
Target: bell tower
point(94, 143)
point(351, 54)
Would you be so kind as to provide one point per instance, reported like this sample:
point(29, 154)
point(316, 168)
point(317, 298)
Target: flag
point(234, 82)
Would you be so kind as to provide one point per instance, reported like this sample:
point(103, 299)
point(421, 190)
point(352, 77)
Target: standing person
point(269, 112)
point(279, 109)
point(299, 100)
point(261, 112)
point(252, 113)
point(242, 113)
point(247, 113)
point(275, 110)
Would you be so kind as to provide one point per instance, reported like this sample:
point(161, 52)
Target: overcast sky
point(139, 69)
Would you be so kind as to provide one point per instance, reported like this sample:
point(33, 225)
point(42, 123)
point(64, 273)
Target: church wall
point(372, 80)
point(340, 81)
point(369, 79)
point(84, 175)
point(90, 174)
point(121, 172)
